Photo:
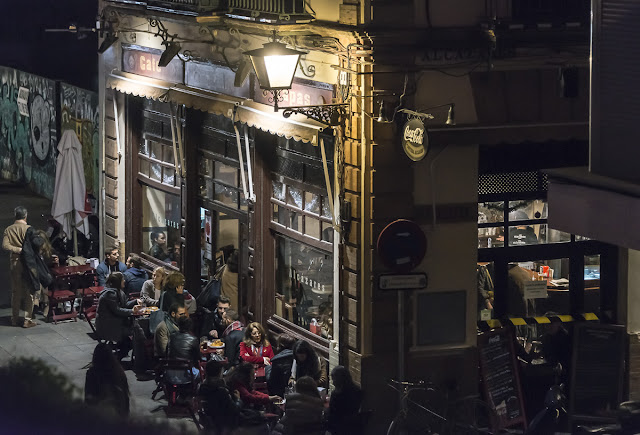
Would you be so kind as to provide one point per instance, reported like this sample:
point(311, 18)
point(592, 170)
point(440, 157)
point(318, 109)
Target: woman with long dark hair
point(106, 384)
point(303, 410)
point(306, 362)
point(242, 380)
point(255, 348)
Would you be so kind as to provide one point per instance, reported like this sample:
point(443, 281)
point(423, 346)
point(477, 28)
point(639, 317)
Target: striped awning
point(260, 116)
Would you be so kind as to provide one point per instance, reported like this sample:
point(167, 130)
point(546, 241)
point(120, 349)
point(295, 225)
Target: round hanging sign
point(402, 245)
point(415, 141)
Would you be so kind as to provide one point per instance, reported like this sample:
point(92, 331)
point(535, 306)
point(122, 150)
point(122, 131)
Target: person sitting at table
point(221, 408)
point(167, 327)
point(152, 288)
point(114, 313)
point(184, 345)
point(105, 384)
point(242, 380)
point(134, 276)
point(344, 404)
point(212, 326)
point(255, 348)
point(174, 292)
point(306, 362)
point(302, 410)
point(159, 248)
point(109, 265)
point(279, 372)
point(232, 336)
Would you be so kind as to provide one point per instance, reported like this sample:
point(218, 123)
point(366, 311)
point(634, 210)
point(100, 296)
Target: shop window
point(156, 162)
point(161, 225)
point(302, 211)
point(220, 182)
point(304, 286)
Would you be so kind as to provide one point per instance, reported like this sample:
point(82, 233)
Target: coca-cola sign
point(415, 141)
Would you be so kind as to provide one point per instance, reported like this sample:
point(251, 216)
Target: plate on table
point(149, 310)
point(216, 344)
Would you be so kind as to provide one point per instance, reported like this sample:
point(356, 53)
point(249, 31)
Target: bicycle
point(468, 415)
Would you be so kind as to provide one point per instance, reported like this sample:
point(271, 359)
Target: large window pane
point(304, 286)
point(492, 237)
point(161, 224)
point(527, 209)
point(490, 212)
point(524, 235)
point(294, 197)
point(226, 174)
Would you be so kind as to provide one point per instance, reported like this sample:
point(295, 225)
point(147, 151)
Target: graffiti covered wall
point(79, 112)
point(28, 140)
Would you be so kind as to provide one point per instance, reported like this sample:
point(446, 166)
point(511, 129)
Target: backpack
point(208, 297)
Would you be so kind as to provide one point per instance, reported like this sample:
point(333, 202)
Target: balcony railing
point(263, 10)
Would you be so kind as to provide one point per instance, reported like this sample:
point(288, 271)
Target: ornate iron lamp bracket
point(327, 114)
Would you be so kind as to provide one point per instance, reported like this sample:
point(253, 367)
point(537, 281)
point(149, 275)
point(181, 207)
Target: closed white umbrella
point(69, 196)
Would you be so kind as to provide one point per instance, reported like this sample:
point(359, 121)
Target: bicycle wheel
point(470, 416)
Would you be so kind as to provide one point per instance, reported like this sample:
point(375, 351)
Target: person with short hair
point(232, 336)
point(110, 264)
point(167, 327)
point(134, 276)
point(184, 345)
point(114, 313)
point(303, 410)
point(12, 241)
point(212, 326)
point(221, 408)
point(255, 348)
point(280, 371)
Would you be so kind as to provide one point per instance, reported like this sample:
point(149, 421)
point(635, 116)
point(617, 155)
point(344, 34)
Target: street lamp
point(275, 65)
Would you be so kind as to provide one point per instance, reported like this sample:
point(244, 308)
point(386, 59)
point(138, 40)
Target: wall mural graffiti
point(79, 112)
point(27, 143)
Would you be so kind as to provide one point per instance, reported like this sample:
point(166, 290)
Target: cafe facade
point(307, 208)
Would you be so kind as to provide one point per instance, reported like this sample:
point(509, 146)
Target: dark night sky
point(24, 45)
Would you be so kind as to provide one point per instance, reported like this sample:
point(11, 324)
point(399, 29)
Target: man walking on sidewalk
point(12, 241)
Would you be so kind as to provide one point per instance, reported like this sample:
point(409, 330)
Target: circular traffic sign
point(402, 245)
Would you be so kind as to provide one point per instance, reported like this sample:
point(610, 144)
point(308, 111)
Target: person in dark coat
point(303, 410)
point(242, 379)
point(159, 248)
point(221, 408)
point(174, 292)
point(279, 372)
point(114, 313)
point(184, 345)
point(36, 257)
point(109, 265)
point(306, 362)
point(134, 276)
point(232, 336)
point(106, 384)
point(344, 404)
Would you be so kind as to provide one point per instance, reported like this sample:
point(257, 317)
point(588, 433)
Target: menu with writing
point(500, 379)
point(597, 369)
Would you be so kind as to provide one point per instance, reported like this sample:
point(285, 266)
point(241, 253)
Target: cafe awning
point(599, 207)
point(253, 114)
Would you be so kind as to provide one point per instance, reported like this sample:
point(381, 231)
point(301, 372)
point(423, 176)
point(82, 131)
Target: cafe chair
point(176, 379)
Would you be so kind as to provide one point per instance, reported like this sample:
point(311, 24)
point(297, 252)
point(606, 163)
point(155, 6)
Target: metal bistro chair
point(179, 384)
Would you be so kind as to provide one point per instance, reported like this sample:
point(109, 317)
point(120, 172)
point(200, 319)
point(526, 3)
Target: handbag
point(208, 297)
point(156, 317)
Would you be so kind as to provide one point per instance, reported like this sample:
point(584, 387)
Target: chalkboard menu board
point(597, 369)
point(499, 373)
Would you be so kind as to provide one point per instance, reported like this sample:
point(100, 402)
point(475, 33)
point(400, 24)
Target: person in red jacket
point(255, 347)
point(242, 381)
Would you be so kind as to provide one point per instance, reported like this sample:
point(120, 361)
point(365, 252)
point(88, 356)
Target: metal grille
point(289, 168)
point(512, 182)
point(269, 6)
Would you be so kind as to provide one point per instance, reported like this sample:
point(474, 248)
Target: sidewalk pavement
point(65, 346)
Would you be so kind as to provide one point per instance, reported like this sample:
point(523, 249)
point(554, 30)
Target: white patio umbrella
point(69, 196)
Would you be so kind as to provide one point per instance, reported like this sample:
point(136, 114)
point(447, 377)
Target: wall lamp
point(451, 115)
point(107, 42)
point(275, 65)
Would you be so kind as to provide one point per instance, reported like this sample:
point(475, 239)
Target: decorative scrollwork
point(310, 69)
point(206, 31)
point(327, 114)
point(189, 55)
point(274, 96)
point(161, 31)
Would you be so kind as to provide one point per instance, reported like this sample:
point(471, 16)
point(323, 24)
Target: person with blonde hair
point(152, 288)
point(255, 348)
